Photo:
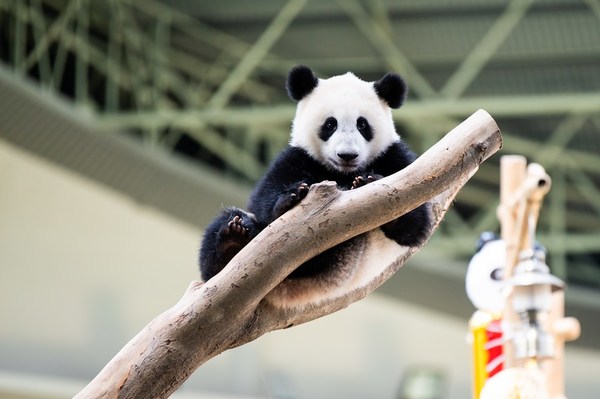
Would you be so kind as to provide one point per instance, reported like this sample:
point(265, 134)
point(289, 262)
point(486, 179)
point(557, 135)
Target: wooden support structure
point(229, 310)
point(522, 189)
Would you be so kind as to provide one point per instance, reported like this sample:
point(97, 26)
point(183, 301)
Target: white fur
point(378, 256)
point(345, 98)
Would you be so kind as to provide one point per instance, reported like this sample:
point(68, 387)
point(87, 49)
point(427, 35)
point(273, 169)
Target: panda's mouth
point(345, 166)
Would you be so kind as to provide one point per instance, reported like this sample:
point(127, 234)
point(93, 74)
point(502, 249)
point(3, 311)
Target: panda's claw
point(358, 181)
point(301, 192)
point(362, 180)
point(303, 189)
point(235, 227)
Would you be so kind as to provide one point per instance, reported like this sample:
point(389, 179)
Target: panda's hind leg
point(224, 238)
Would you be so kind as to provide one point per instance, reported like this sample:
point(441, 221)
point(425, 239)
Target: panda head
point(344, 122)
point(484, 280)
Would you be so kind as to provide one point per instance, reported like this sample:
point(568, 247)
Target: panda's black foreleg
point(412, 228)
point(224, 238)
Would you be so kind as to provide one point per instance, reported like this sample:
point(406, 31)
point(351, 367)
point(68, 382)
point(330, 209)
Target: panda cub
point(342, 131)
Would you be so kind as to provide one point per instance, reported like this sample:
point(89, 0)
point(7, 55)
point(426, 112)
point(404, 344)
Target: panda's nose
point(347, 156)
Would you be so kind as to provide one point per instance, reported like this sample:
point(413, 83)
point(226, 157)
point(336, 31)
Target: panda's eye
point(497, 274)
point(361, 124)
point(328, 128)
point(364, 128)
point(331, 124)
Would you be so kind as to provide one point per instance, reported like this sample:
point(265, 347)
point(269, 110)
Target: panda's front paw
point(362, 180)
point(290, 198)
point(233, 234)
point(298, 194)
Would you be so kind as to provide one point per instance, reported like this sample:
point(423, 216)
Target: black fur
point(362, 125)
point(283, 186)
point(300, 82)
point(220, 243)
point(328, 128)
point(392, 89)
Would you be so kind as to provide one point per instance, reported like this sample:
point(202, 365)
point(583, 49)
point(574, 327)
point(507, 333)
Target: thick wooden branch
point(230, 310)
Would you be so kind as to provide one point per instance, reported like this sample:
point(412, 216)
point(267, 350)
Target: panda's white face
point(484, 280)
point(343, 123)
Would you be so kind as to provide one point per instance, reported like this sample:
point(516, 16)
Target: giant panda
point(343, 131)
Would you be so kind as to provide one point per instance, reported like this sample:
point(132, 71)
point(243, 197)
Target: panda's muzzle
point(347, 157)
point(346, 161)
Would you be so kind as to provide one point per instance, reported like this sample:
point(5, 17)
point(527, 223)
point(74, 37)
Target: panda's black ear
point(300, 82)
point(392, 89)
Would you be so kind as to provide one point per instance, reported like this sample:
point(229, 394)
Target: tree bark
point(229, 309)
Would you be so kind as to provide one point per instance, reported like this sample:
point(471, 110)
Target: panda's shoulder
point(400, 149)
point(293, 153)
point(395, 157)
point(297, 157)
point(294, 161)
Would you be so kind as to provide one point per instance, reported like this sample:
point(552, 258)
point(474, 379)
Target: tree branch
point(229, 310)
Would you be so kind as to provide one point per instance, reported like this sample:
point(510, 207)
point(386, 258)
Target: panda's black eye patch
point(497, 274)
point(364, 128)
point(328, 128)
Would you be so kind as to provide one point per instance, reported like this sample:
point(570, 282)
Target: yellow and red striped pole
point(488, 357)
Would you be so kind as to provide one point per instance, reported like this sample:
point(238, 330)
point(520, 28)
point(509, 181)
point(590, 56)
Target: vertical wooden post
point(562, 329)
point(522, 189)
point(512, 174)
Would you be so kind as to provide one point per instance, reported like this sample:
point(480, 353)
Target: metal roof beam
point(53, 32)
point(484, 50)
point(573, 243)
point(381, 40)
point(508, 106)
point(594, 5)
point(253, 57)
